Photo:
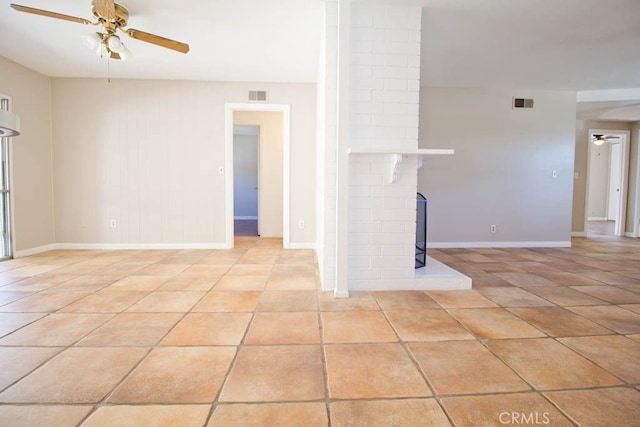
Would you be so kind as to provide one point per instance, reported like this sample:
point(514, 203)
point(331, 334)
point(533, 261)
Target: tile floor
point(245, 337)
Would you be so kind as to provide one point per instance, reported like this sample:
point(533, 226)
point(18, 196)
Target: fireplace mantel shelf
point(395, 157)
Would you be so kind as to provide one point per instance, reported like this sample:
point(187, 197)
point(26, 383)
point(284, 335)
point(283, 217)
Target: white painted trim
point(34, 251)
point(578, 234)
point(285, 109)
point(630, 94)
point(628, 234)
point(302, 245)
point(246, 218)
point(540, 244)
point(597, 218)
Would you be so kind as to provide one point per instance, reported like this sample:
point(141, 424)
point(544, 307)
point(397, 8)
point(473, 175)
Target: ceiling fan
point(599, 139)
point(111, 17)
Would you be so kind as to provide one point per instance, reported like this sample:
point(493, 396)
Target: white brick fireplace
point(368, 152)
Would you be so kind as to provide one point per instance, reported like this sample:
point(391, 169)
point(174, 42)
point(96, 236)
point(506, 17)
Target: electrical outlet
point(113, 223)
point(301, 224)
point(493, 229)
point(554, 174)
point(220, 170)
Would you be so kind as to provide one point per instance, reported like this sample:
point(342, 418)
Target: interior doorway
point(246, 196)
point(273, 124)
point(607, 181)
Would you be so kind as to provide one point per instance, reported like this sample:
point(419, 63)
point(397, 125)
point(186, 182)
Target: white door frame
point(285, 109)
point(625, 139)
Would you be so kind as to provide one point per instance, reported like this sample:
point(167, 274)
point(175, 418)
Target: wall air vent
point(257, 95)
point(522, 103)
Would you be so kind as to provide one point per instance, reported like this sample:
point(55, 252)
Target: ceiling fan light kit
point(9, 124)
point(111, 17)
point(599, 139)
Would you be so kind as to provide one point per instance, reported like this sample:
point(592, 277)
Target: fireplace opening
point(421, 231)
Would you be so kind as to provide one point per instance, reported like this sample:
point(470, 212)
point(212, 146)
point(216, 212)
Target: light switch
point(576, 175)
point(554, 174)
point(220, 170)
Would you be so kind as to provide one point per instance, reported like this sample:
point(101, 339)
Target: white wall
point(245, 176)
point(501, 172)
point(146, 153)
point(32, 187)
point(271, 167)
point(631, 227)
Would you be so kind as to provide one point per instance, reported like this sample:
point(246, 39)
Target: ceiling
point(570, 45)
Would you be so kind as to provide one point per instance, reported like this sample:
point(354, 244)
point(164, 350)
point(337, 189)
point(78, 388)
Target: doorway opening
point(246, 164)
point(607, 181)
point(268, 185)
point(6, 238)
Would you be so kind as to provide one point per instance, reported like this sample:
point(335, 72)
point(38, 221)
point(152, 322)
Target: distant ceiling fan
point(111, 17)
point(599, 139)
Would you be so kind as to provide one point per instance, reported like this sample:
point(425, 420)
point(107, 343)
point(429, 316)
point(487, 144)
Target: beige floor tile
point(247, 258)
point(610, 294)
point(465, 367)
point(162, 269)
point(36, 284)
point(357, 301)
point(44, 302)
point(85, 283)
point(131, 329)
point(209, 329)
point(299, 270)
point(167, 302)
point(404, 300)
point(525, 280)
point(77, 375)
point(207, 269)
point(149, 415)
point(270, 414)
point(631, 307)
point(56, 330)
point(565, 296)
point(611, 278)
point(7, 297)
point(288, 301)
point(19, 361)
point(10, 322)
point(383, 413)
point(176, 375)
point(356, 326)
point(460, 299)
point(617, 354)
point(546, 364)
point(105, 302)
point(241, 283)
point(612, 317)
point(228, 301)
point(42, 415)
point(559, 322)
point(250, 270)
point(564, 278)
point(356, 371)
point(427, 325)
point(284, 328)
point(190, 282)
point(291, 283)
point(602, 407)
point(138, 283)
point(494, 323)
point(275, 373)
point(513, 297)
point(635, 337)
point(503, 409)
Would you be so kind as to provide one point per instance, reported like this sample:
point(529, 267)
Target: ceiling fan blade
point(49, 14)
point(157, 40)
point(105, 8)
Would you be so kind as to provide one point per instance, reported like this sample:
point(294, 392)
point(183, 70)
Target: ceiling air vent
point(257, 95)
point(522, 103)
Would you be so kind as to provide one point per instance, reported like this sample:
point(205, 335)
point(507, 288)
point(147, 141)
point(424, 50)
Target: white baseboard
point(541, 244)
point(253, 218)
point(124, 246)
point(34, 251)
point(578, 234)
point(629, 234)
point(597, 218)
